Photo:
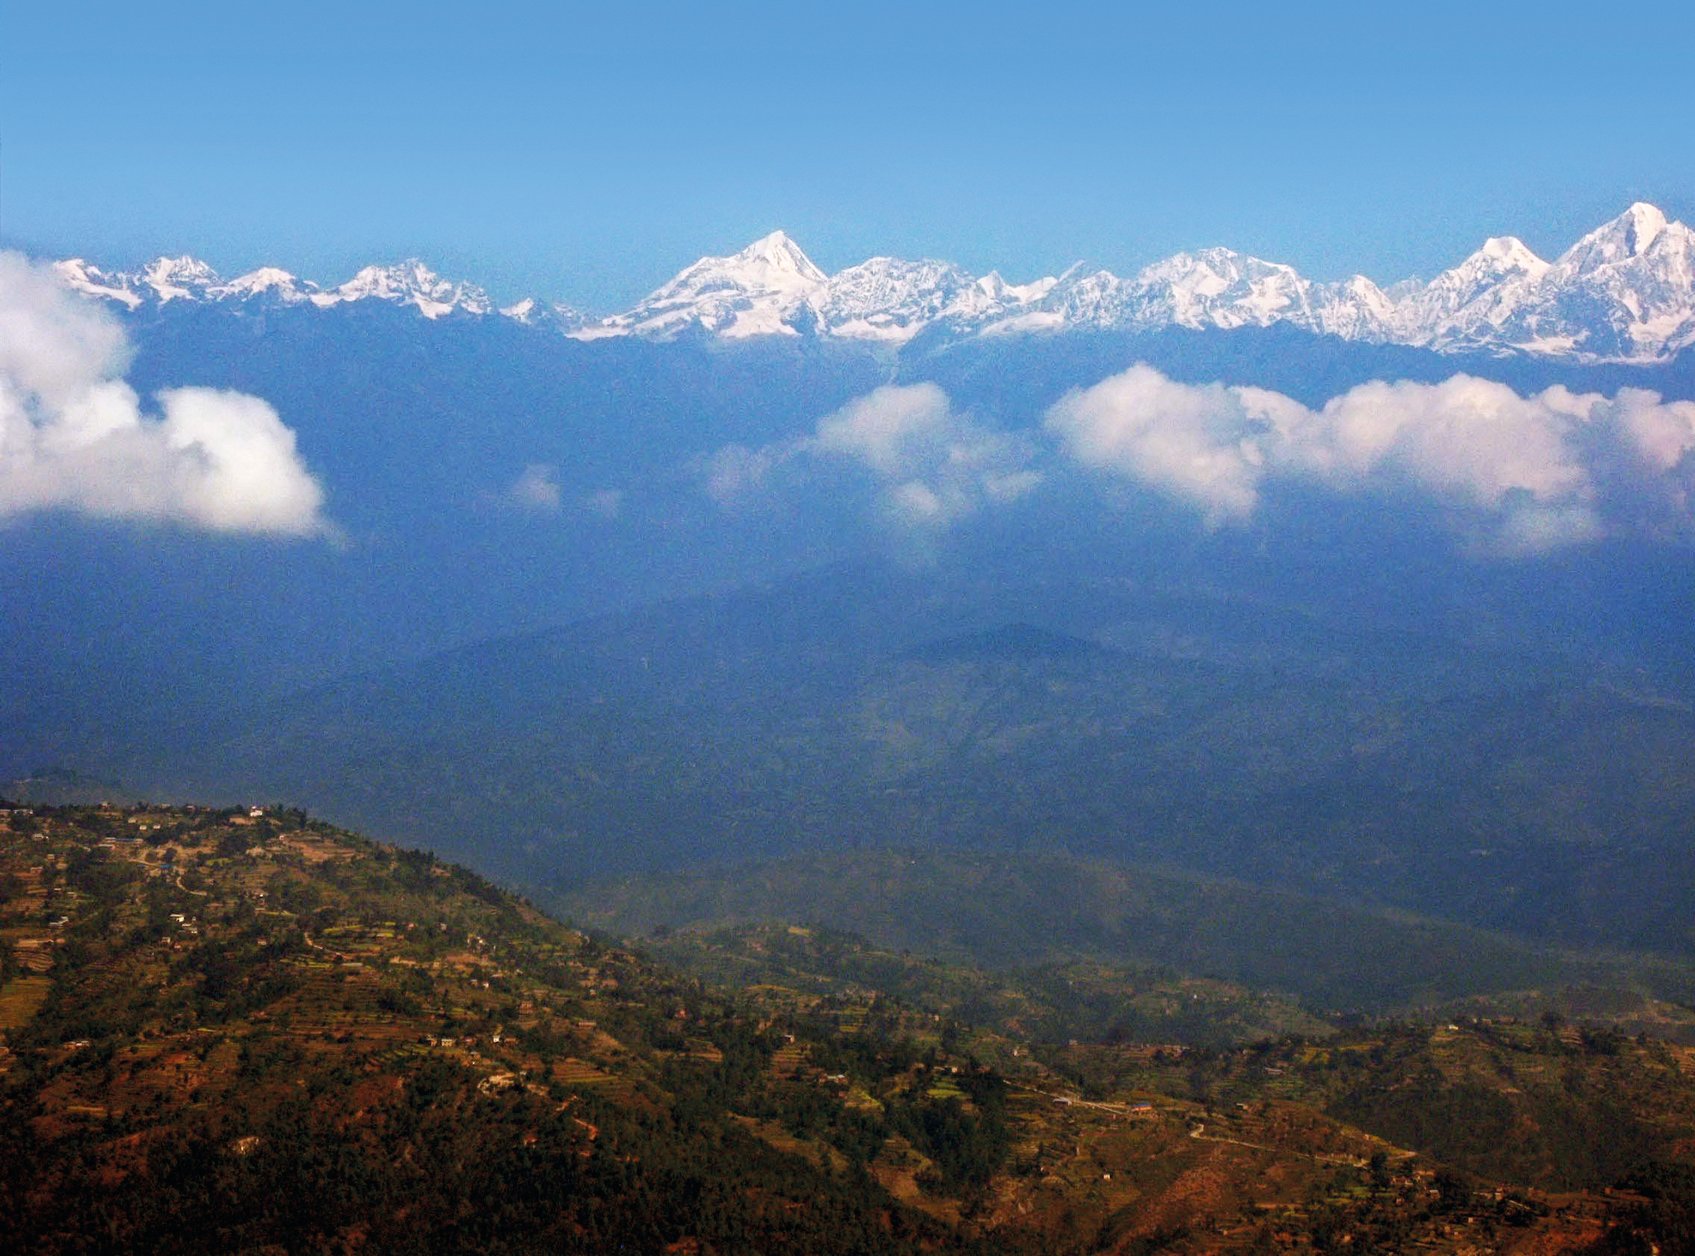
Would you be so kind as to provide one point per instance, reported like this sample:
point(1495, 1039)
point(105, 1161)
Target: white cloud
point(1009, 486)
point(1527, 474)
point(1663, 433)
point(1196, 443)
point(735, 474)
point(536, 488)
point(74, 436)
point(1466, 439)
point(929, 465)
point(894, 430)
point(608, 503)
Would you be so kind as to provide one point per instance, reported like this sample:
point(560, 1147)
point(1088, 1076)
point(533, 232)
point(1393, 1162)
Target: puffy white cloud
point(894, 430)
point(930, 466)
point(1197, 443)
point(74, 436)
point(1661, 433)
point(1525, 474)
point(1466, 439)
point(933, 466)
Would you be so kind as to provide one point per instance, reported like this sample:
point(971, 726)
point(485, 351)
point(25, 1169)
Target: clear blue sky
point(585, 152)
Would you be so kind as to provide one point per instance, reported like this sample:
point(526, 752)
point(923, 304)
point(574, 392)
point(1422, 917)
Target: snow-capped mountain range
point(409, 283)
point(1624, 292)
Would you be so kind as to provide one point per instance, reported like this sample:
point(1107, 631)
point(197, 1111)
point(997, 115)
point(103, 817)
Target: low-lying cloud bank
point(1520, 474)
point(1509, 474)
point(73, 434)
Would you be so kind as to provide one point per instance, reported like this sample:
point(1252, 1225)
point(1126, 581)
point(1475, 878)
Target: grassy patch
point(21, 999)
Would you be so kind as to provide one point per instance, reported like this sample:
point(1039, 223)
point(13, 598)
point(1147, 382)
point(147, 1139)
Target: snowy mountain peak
point(175, 278)
point(261, 279)
point(390, 283)
point(1645, 222)
point(1218, 287)
point(409, 283)
point(1510, 253)
point(780, 253)
point(533, 313)
point(267, 281)
point(1627, 236)
point(88, 279)
point(890, 299)
point(997, 288)
point(1500, 259)
point(769, 288)
point(771, 263)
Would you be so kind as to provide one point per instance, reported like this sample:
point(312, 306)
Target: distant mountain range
point(1623, 293)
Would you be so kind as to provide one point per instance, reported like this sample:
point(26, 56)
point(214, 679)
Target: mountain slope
point(235, 1031)
point(222, 1031)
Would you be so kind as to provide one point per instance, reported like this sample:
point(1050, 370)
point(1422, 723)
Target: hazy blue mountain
point(1508, 752)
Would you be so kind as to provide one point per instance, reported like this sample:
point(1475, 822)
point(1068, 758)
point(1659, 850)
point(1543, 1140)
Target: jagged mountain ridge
point(1624, 292)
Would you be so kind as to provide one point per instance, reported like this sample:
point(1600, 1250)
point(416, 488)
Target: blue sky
point(585, 152)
